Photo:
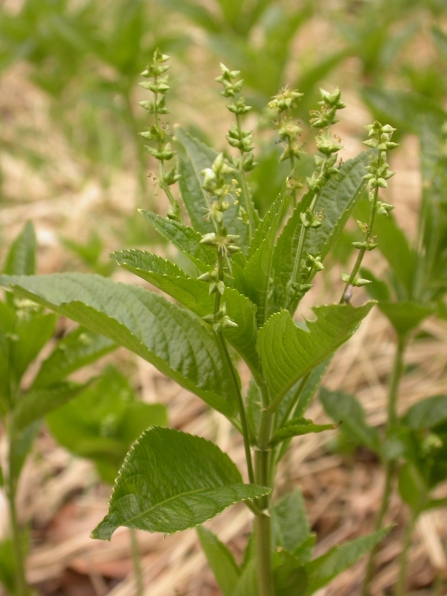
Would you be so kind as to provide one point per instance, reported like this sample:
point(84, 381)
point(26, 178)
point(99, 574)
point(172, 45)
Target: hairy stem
point(136, 560)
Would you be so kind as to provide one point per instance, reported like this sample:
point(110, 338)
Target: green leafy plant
point(236, 301)
point(24, 331)
point(412, 449)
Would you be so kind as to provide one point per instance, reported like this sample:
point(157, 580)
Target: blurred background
point(71, 160)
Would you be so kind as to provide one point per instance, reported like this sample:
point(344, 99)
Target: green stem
point(136, 559)
point(396, 375)
point(245, 192)
point(409, 528)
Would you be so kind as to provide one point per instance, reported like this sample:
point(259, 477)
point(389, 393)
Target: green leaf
point(290, 527)
point(77, 349)
point(172, 481)
point(185, 239)
point(248, 582)
point(288, 352)
point(258, 270)
point(412, 488)
point(347, 411)
point(162, 333)
point(440, 39)
point(34, 405)
point(103, 421)
point(290, 576)
point(21, 257)
point(322, 570)
point(196, 157)
point(405, 315)
point(427, 413)
point(336, 200)
point(220, 560)
point(297, 427)
point(194, 294)
point(309, 389)
point(377, 289)
point(20, 447)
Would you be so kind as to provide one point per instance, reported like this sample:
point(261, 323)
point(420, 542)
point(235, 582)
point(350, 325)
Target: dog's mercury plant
point(238, 296)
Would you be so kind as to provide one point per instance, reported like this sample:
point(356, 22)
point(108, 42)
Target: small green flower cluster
point(378, 172)
point(159, 133)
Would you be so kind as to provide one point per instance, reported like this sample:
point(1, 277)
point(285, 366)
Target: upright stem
point(244, 187)
point(409, 528)
point(136, 559)
point(396, 375)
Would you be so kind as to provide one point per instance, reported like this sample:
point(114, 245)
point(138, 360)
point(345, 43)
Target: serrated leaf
point(322, 570)
point(196, 157)
point(77, 349)
point(345, 410)
point(162, 333)
point(405, 315)
point(337, 200)
point(427, 413)
point(288, 352)
point(257, 273)
point(290, 527)
point(34, 405)
point(185, 239)
point(194, 294)
point(21, 257)
point(172, 481)
point(297, 427)
point(220, 560)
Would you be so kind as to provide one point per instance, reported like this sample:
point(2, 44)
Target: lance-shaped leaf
point(220, 560)
point(258, 270)
point(297, 427)
point(77, 349)
point(347, 411)
point(172, 481)
point(336, 201)
point(21, 257)
point(290, 527)
point(288, 352)
point(162, 333)
point(195, 157)
point(194, 294)
point(405, 315)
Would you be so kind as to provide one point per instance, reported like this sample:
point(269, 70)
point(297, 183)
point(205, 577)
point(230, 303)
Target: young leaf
point(297, 427)
point(21, 257)
point(162, 333)
point(290, 576)
point(34, 405)
point(195, 158)
point(412, 488)
point(290, 526)
point(288, 352)
point(248, 584)
point(77, 349)
point(258, 270)
point(427, 413)
point(345, 410)
point(405, 315)
point(322, 570)
point(220, 560)
point(194, 294)
point(172, 481)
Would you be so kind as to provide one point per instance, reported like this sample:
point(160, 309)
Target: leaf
point(290, 527)
point(20, 447)
point(405, 315)
point(220, 560)
point(194, 294)
point(258, 270)
point(440, 39)
point(34, 405)
point(347, 411)
point(172, 481)
point(162, 333)
point(196, 157)
point(412, 488)
point(288, 352)
point(77, 349)
point(427, 413)
point(185, 239)
point(311, 386)
point(336, 200)
point(248, 581)
point(103, 421)
point(322, 570)
point(21, 257)
point(297, 427)
point(290, 576)
point(377, 289)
